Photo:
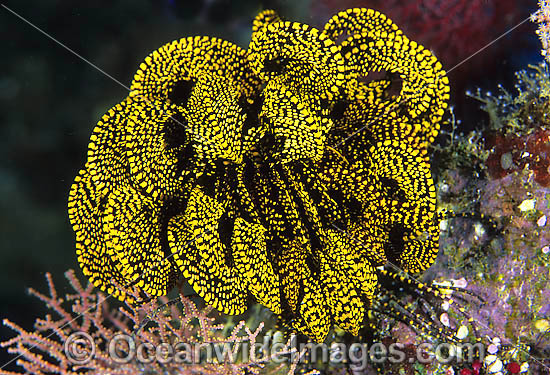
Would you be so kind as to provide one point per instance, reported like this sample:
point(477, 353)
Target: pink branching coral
point(52, 349)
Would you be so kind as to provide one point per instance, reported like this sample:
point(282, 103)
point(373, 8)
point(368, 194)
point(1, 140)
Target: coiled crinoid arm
point(373, 43)
point(182, 116)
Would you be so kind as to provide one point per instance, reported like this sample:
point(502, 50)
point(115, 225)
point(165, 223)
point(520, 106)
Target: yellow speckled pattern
point(283, 174)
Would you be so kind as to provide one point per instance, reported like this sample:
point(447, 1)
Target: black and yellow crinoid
point(276, 174)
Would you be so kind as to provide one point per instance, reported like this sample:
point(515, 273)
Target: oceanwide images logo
point(80, 349)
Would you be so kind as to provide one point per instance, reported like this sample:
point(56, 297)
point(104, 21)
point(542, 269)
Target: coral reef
point(500, 175)
point(517, 135)
point(86, 336)
point(492, 268)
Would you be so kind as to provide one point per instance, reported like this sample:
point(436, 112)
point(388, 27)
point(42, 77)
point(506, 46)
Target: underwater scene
point(275, 187)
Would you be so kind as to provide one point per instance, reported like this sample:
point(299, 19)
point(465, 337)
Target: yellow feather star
point(275, 174)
